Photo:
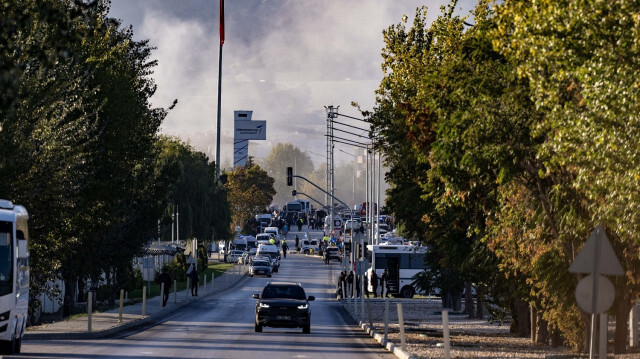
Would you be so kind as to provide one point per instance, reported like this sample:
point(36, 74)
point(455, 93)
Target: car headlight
point(303, 306)
point(264, 305)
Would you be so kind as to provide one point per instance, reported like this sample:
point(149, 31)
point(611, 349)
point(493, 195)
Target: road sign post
point(595, 293)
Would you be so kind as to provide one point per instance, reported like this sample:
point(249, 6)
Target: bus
point(402, 263)
point(14, 275)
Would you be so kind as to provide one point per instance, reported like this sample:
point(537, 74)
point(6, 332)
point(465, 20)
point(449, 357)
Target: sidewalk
point(107, 323)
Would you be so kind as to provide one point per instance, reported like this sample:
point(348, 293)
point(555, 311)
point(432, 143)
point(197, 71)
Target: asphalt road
point(221, 326)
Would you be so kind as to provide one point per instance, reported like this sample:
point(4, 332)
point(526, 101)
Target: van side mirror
point(311, 298)
point(256, 296)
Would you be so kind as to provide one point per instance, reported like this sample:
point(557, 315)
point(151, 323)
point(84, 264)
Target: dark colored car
point(283, 305)
point(260, 267)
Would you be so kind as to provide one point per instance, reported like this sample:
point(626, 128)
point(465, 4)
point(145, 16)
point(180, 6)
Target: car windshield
point(260, 264)
point(289, 292)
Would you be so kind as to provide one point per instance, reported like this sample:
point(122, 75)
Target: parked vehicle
point(275, 232)
point(332, 253)
point(351, 223)
point(306, 245)
point(260, 266)
point(244, 258)
point(337, 225)
point(233, 256)
point(14, 275)
point(402, 262)
point(283, 305)
point(265, 238)
point(272, 252)
point(239, 243)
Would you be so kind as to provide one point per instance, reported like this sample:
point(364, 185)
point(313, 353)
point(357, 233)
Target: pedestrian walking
point(350, 284)
point(300, 223)
point(374, 283)
point(195, 279)
point(165, 278)
point(384, 283)
point(297, 242)
point(285, 247)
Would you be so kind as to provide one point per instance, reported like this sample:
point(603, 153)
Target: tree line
point(80, 147)
point(510, 134)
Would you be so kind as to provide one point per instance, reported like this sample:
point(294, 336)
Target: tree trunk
point(68, 307)
point(622, 307)
point(523, 318)
point(457, 301)
point(534, 324)
point(468, 301)
point(542, 335)
point(556, 339)
point(480, 304)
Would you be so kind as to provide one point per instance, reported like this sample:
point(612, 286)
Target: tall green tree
point(193, 191)
point(581, 59)
point(250, 192)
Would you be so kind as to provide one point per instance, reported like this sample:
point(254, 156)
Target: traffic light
point(294, 193)
point(289, 176)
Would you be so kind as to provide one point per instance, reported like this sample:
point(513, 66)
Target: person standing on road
point(366, 284)
point(194, 280)
point(350, 284)
point(285, 247)
point(165, 278)
point(297, 242)
point(300, 223)
point(384, 283)
point(374, 283)
point(342, 288)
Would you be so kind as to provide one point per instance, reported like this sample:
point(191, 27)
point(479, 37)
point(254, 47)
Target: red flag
point(221, 22)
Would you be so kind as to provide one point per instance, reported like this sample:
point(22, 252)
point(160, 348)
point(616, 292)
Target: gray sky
point(283, 59)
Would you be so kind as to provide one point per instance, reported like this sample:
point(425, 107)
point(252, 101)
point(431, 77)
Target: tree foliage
point(79, 144)
point(250, 192)
point(517, 136)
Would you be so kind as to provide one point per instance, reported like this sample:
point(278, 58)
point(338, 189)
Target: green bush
point(177, 268)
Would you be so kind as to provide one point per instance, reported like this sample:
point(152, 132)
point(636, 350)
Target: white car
point(233, 256)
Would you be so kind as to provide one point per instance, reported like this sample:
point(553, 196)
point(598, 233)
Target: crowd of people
point(346, 289)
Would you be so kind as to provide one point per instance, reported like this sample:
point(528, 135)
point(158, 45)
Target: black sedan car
point(283, 305)
point(260, 267)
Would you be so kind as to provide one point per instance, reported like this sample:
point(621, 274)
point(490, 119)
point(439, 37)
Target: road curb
point(389, 345)
point(125, 326)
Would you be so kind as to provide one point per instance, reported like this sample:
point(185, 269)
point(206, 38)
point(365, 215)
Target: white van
point(271, 251)
point(264, 238)
point(276, 234)
point(273, 230)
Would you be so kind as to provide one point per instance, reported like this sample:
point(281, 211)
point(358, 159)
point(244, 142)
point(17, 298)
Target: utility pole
point(332, 113)
point(219, 91)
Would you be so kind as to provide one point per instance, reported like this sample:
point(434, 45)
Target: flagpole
point(218, 127)
point(219, 90)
